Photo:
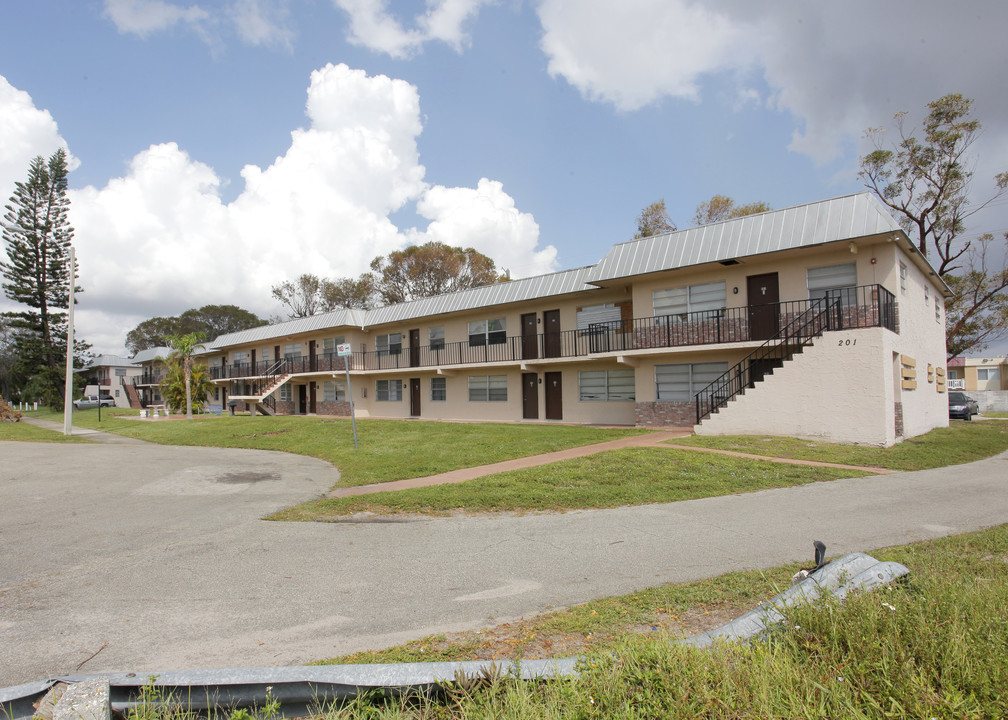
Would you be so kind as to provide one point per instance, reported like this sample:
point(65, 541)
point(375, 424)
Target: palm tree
point(183, 349)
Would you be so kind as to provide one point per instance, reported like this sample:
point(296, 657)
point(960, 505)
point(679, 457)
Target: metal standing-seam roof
point(531, 288)
point(842, 218)
point(153, 353)
point(110, 361)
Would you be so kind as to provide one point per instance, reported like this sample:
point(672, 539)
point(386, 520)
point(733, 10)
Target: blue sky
point(222, 147)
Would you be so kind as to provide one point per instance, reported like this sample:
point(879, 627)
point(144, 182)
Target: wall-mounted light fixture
point(734, 291)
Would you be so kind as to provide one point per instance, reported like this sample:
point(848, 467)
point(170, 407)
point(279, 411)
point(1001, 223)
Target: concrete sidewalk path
point(87, 433)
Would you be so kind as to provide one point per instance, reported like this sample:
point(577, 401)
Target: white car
point(93, 401)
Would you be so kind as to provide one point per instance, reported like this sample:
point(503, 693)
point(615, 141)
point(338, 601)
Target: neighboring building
point(985, 379)
point(112, 375)
point(819, 321)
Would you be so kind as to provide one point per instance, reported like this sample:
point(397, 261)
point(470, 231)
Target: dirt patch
point(527, 639)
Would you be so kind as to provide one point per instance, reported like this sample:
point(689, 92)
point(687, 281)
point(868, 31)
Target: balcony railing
point(149, 379)
point(857, 307)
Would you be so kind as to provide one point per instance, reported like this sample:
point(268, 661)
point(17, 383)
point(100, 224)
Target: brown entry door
point(530, 351)
point(414, 397)
point(302, 399)
point(551, 333)
point(554, 396)
point(763, 297)
point(312, 360)
point(414, 350)
point(530, 396)
point(312, 407)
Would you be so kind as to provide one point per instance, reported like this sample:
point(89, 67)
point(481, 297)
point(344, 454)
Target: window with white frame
point(439, 388)
point(488, 332)
point(240, 357)
point(606, 385)
point(388, 344)
point(683, 382)
point(388, 390)
point(334, 391)
point(435, 338)
point(329, 345)
point(903, 278)
point(927, 294)
point(833, 281)
point(487, 388)
point(937, 310)
point(264, 354)
point(292, 351)
point(707, 297)
point(986, 374)
point(285, 392)
point(606, 314)
point(120, 372)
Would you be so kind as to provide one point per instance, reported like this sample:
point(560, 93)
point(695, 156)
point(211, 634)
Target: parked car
point(93, 401)
point(962, 406)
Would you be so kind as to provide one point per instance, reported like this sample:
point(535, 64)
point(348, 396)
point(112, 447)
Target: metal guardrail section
point(864, 306)
point(299, 690)
point(850, 308)
point(303, 690)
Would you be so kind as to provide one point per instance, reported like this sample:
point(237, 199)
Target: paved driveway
point(155, 557)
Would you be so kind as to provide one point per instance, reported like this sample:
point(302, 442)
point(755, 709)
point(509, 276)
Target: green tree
point(654, 220)
point(303, 297)
point(431, 269)
point(722, 207)
point(350, 293)
point(211, 320)
point(38, 236)
point(183, 349)
point(173, 387)
point(926, 182)
point(977, 313)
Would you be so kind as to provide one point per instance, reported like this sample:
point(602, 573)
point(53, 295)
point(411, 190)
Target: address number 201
point(847, 343)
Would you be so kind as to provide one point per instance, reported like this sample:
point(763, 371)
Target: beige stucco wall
point(834, 391)
point(791, 268)
point(844, 388)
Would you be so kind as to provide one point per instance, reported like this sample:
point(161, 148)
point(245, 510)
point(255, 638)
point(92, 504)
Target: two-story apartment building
point(819, 321)
point(111, 375)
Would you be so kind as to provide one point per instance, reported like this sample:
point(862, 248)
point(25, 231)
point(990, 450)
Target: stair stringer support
point(833, 391)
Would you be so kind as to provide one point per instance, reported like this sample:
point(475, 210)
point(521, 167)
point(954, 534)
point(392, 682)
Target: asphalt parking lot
point(143, 557)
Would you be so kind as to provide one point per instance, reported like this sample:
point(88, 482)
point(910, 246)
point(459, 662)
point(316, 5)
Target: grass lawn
point(389, 449)
point(611, 479)
point(961, 442)
point(24, 432)
point(930, 646)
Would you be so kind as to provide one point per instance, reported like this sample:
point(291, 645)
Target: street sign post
point(345, 350)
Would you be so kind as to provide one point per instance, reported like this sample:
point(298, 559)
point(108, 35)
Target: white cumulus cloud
point(159, 239)
point(486, 219)
point(27, 132)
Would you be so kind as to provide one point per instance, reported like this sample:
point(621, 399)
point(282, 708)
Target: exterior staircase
point(133, 395)
point(262, 401)
point(789, 340)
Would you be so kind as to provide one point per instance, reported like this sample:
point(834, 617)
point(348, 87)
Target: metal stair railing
point(822, 314)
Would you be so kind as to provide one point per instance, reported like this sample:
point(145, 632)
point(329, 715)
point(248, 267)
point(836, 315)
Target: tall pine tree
point(37, 234)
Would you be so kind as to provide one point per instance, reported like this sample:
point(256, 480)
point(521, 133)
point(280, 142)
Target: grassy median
point(930, 646)
point(959, 443)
